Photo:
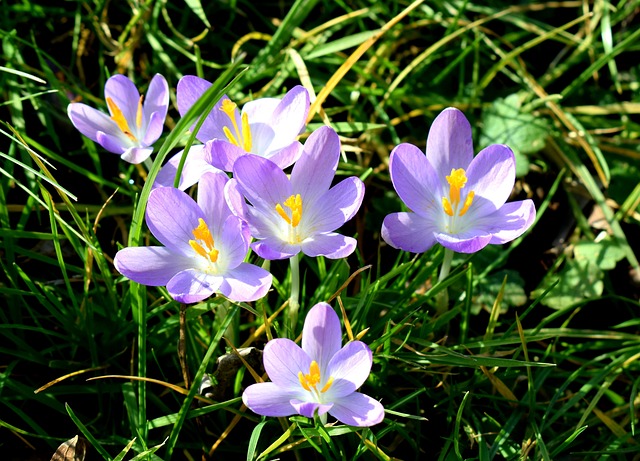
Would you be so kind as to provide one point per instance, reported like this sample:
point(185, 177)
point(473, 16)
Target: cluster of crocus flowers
point(204, 247)
point(266, 127)
point(135, 121)
point(318, 378)
point(456, 200)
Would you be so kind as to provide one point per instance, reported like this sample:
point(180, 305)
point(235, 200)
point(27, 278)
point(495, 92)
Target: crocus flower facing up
point(301, 213)
point(267, 127)
point(135, 122)
point(320, 377)
point(455, 199)
point(204, 247)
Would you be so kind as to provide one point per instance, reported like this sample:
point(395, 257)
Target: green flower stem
point(442, 298)
point(294, 303)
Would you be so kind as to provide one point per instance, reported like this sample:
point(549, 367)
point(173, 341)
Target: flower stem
point(294, 303)
point(442, 298)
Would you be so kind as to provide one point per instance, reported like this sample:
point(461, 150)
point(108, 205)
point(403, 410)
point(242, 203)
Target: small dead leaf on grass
point(73, 449)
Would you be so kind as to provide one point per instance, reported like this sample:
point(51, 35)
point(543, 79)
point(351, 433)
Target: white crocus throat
point(294, 203)
point(241, 136)
point(118, 117)
point(454, 206)
point(204, 246)
point(310, 381)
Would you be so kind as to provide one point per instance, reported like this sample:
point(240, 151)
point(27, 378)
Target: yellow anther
point(139, 113)
point(327, 386)
point(457, 180)
point(447, 206)
point(241, 138)
point(118, 117)
point(203, 235)
point(467, 203)
point(198, 248)
point(312, 379)
point(294, 203)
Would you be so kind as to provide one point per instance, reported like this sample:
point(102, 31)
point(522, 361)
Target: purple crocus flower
point(135, 122)
point(267, 127)
point(455, 199)
point(320, 377)
point(204, 247)
point(288, 216)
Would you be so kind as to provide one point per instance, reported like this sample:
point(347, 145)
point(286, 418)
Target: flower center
point(203, 243)
point(118, 117)
point(311, 380)
point(457, 180)
point(242, 136)
point(294, 203)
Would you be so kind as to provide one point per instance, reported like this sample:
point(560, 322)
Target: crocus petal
point(335, 207)
point(211, 200)
point(189, 89)
point(313, 172)
point(192, 286)
point(409, 232)
point(137, 155)
point(464, 242)
point(321, 335)
point(222, 154)
point(273, 248)
point(308, 409)
point(510, 221)
point(330, 245)
point(286, 156)
point(283, 360)
point(233, 240)
point(491, 175)
point(290, 116)
point(153, 266)
point(260, 111)
point(235, 200)
point(90, 121)
point(194, 167)
point(449, 143)
point(155, 126)
point(116, 143)
point(268, 399)
point(171, 216)
point(261, 181)
point(358, 410)
point(349, 368)
point(125, 95)
point(156, 100)
point(245, 283)
point(414, 179)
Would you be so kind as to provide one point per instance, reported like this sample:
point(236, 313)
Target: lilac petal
point(137, 155)
point(192, 286)
point(313, 172)
point(510, 221)
point(222, 154)
point(349, 368)
point(260, 111)
point(322, 336)
point(194, 167)
point(290, 117)
point(358, 410)
point(283, 360)
point(449, 143)
point(245, 283)
point(156, 101)
point(491, 176)
point(329, 245)
point(308, 409)
point(155, 126)
point(464, 242)
point(261, 181)
point(90, 121)
point(414, 179)
point(125, 95)
point(286, 156)
point(171, 216)
point(153, 266)
point(211, 200)
point(272, 248)
point(189, 89)
point(235, 200)
point(409, 232)
point(335, 207)
point(232, 239)
point(118, 143)
point(268, 399)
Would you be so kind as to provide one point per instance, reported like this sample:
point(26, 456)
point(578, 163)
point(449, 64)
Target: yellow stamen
point(118, 117)
point(139, 113)
point(327, 386)
point(294, 203)
point(311, 380)
point(202, 236)
point(457, 180)
point(242, 137)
